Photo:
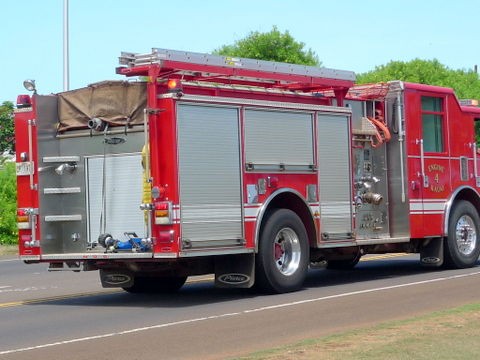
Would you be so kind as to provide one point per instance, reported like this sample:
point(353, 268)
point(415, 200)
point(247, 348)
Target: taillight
point(23, 219)
point(163, 213)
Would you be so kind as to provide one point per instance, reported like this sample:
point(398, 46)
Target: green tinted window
point(432, 124)
point(431, 104)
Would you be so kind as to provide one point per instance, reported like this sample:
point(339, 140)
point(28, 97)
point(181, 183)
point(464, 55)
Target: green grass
point(446, 335)
point(8, 250)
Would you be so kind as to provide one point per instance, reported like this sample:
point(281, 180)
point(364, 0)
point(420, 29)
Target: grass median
point(450, 334)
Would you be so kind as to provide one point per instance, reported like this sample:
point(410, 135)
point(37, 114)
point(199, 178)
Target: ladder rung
point(55, 159)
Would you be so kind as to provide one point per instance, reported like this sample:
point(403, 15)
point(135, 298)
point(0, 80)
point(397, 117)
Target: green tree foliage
point(8, 199)
point(7, 142)
point(465, 82)
point(8, 190)
point(273, 45)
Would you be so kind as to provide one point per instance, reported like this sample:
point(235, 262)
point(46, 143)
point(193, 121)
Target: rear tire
point(156, 285)
point(462, 245)
point(283, 254)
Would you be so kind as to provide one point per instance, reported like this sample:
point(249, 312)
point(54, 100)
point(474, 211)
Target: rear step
point(75, 266)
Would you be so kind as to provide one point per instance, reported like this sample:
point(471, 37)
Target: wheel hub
point(466, 235)
point(287, 251)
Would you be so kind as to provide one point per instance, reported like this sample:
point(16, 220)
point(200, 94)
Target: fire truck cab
point(250, 170)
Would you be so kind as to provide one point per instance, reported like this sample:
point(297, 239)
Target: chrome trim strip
point(206, 252)
point(165, 256)
point(70, 190)
point(475, 166)
point(330, 245)
point(97, 256)
point(383, 241)
point(29, 257)
point(31, 124)
point(264, 103)
point(55, 218)
point(54, 159)
point(361, 242)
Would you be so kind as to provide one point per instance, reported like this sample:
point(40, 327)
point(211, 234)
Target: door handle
point(422, 163)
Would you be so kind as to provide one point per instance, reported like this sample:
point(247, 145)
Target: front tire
point(283, 253)
point(462, 245)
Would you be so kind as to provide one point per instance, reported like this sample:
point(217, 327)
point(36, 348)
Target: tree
point(465, 82)
point(8, 198)
point(8, 178)
point(7, 142)
point(273, 45)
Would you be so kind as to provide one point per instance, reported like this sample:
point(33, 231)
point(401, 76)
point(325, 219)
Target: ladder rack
point(192, 66)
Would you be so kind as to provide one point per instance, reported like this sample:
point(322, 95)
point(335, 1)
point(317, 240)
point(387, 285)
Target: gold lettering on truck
point(436, 169)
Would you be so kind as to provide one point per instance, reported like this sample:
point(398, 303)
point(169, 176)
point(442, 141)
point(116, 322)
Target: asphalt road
point(67, 315)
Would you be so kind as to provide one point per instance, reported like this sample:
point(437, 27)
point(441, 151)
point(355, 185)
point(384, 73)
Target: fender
point(265, 206)
point(450, 202)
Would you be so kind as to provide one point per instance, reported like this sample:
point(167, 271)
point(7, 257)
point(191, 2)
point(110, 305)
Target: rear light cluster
point(163, 213)
point(23, 219)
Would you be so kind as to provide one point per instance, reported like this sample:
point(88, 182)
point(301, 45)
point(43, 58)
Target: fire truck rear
point(250, 170)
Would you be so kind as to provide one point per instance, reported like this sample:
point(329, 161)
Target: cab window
point(477, 132)
point(432, 124)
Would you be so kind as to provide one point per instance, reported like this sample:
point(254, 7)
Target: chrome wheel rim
point(465, 235)
point(287, 251)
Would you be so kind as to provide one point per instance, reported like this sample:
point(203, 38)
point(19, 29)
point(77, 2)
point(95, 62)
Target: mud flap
point(235, 271)
point(431, 254)
point(116, 278)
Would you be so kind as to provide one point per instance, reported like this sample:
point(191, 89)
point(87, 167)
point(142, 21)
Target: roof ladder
point(232, 70)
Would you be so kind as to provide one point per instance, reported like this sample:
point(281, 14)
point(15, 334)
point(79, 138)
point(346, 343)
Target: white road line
point(213, 317)
point(5, 287)
point(9, 260)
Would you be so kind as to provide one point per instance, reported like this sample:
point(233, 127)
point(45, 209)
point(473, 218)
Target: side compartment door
point(209, 176)
point(334, 176)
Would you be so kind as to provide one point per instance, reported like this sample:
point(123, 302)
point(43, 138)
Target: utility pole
point(66, 75)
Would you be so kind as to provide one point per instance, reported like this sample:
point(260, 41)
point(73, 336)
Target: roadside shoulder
point(8, 251)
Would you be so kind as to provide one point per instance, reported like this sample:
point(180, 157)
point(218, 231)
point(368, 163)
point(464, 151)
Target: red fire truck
point(250, 170)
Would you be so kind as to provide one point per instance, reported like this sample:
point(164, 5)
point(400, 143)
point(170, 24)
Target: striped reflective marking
point(251, 212)
point(176, 214)
point(428, 207)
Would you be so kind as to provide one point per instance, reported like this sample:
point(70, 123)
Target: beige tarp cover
point(115, 102)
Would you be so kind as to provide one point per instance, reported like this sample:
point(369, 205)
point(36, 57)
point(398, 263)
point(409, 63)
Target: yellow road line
point(198, 279)
point(56, 298)
point(384, 256)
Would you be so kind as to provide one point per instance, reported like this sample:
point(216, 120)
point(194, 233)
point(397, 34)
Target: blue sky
point(347, 34)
